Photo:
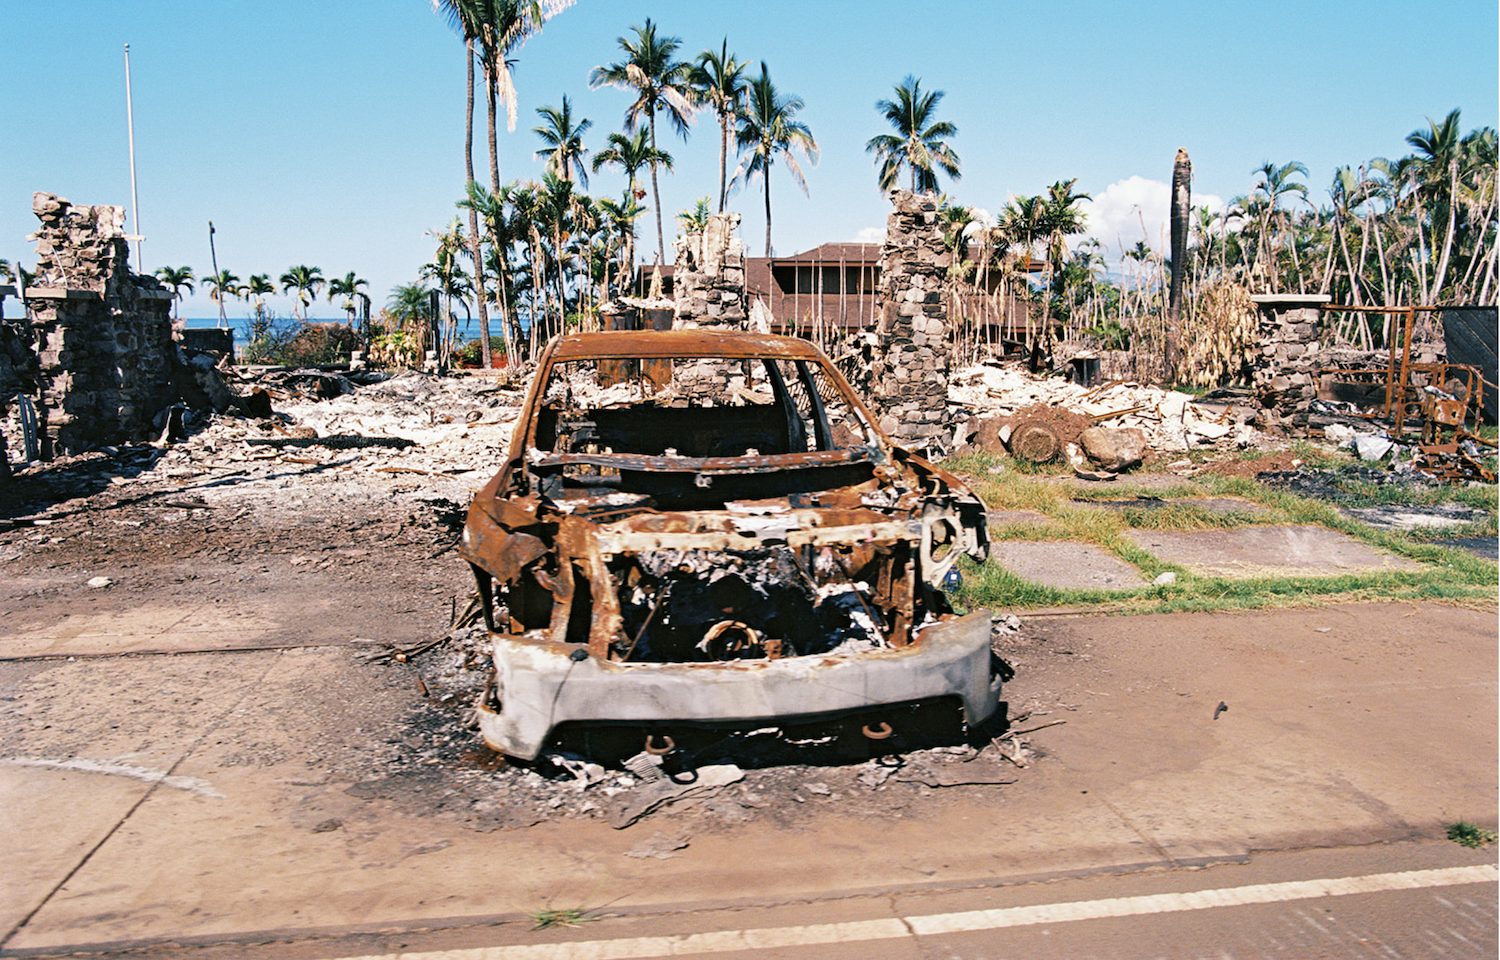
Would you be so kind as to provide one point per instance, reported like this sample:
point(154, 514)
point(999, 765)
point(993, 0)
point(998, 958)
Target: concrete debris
point(1167, 421)
point(659, 846)
point(1115, 449)
point(698, 783)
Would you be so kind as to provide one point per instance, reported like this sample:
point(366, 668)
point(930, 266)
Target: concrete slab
point(1066, 564)
point(1268, 551)
point(999, 518)
point(1223, 506)
point(51, 819)
point(1328, 738)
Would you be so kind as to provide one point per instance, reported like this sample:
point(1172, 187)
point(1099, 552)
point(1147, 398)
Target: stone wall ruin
point(708, 279)
point(103, 334)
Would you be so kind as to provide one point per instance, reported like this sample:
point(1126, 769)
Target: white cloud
point(870, 235)
point(1135, 209)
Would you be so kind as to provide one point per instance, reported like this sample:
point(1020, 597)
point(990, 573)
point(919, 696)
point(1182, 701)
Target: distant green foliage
point(290, 343)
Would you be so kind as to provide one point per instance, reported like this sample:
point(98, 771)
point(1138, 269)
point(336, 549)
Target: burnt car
point(701, 530)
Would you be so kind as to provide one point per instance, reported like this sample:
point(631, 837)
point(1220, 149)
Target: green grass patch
point(1467, 834)
point(559, 917)
point(1074, 514)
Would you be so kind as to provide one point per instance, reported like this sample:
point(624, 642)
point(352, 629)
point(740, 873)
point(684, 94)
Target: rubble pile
point(1169, 421)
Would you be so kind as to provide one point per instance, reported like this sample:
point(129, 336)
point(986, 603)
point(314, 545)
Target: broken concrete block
point(1115, 449)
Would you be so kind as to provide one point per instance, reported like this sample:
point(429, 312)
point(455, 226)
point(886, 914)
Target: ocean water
point(240, 326)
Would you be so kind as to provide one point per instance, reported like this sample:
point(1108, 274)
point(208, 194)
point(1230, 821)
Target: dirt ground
point(312, 547)
point(322, 532)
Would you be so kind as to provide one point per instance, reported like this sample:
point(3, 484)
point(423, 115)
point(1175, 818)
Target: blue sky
point(329, 133)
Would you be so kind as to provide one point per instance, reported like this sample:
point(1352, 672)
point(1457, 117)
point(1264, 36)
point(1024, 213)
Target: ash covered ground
point(358, 493)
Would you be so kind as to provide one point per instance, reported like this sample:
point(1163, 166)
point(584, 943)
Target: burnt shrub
point(319, 343)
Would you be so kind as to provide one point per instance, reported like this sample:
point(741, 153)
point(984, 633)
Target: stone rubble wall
point(908, 366)
point(103, 333)
point(708, 280)
point(1284, 373)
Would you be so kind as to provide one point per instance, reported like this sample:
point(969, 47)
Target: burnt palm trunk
point(1182, 206)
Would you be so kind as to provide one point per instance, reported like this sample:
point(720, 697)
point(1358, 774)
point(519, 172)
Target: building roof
point(833, 253)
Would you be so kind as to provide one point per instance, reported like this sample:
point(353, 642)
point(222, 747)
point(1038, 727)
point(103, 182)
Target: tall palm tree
point(464, 17)
point(492, 30)
point(660, 84)
point(348, 287)
point(565, 150)
point(917, 143)
point(223, 284)
point(718, 80)
point(179, 279)
point(768, 129)
point(307, 281)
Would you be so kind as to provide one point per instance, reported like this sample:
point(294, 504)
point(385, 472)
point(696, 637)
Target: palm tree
point(564, 151)
point(631, 152)
point(558, 207)
point(694, 219)
point(463, 16)
point(1274, 185)
point(257, 286)
point(306, 281)
point(446, 270)
point(1436, 174)
point(660, 84)
point(620, 216)
point(348, 287)
point(179, 279)
point(718, 79)
point(223, 284)
point(767, 130)
point(492, 30)
point(487, 210)
point(917, 143)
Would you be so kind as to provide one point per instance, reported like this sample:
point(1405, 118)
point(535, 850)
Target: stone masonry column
point(1285, 377)
point(708, 279)
point(908, 373)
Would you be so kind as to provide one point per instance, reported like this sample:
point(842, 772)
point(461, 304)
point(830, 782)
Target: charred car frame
point(696, 530)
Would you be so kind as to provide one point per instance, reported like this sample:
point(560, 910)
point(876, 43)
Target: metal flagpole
point(135, 202)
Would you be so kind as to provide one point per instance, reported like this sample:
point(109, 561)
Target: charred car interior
point(697, 530)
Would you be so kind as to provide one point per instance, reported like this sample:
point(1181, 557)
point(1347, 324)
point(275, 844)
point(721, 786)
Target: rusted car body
point(697, 529)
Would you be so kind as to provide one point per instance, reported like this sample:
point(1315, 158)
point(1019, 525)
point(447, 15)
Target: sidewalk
point(1344, 725)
